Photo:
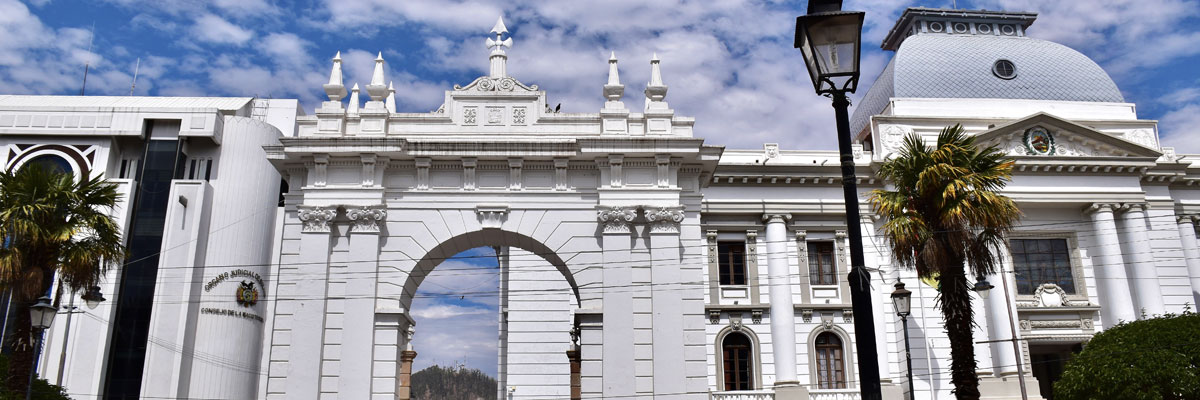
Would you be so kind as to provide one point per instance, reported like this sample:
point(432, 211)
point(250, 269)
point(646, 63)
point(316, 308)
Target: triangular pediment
point(1047, 135)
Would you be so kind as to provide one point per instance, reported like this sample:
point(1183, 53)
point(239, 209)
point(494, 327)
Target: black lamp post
point(830, 40)
point(902, 301)
point(41, 315)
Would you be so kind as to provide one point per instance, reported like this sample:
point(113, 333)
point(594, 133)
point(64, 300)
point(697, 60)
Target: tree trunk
point(957, 311)
point(20, 362)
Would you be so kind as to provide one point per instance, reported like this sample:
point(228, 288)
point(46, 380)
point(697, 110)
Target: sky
point(457, 310)
point(728, 63)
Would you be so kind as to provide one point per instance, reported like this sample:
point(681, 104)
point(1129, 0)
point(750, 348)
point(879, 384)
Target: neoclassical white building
point(637, 260)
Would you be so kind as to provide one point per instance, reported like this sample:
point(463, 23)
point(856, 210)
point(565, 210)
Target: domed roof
point(963, 66)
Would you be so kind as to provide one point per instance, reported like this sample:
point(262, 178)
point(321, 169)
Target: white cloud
point(213, 29)
point(1181, 128)
point(442, 311)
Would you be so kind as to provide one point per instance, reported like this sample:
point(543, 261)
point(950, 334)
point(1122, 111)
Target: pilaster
point(310, 276)
point(618, 330)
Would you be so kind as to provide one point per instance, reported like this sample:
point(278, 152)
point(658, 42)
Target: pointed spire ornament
point(335, 89)
point(656, 91)
point(613, 90)
point(498, 58)
point(390, 103)
point(376, 89)
point(353, 109)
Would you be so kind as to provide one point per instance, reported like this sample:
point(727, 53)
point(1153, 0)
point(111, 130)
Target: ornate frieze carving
point(316, 219)
point(366, 219)
point(1142, 137)
point(489, 84)
point(617, 219)
point(665, 219)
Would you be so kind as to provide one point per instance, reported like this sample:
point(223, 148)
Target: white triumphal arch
point(379, 198)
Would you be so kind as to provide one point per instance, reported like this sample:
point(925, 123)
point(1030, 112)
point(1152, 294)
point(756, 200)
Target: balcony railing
point(814, 394)
point(833, 394)
point(743, 395)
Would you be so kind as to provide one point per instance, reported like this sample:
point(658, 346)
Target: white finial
point(353, 101)
point(376, 89)
point(614, 89)
point(499, 29)
point(498, 57)
point(335, 89)
point(656, 91)
point(390, 103)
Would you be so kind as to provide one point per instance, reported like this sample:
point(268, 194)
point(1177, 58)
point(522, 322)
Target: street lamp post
point(41, 316)
point(830, 41)
point(902, 301)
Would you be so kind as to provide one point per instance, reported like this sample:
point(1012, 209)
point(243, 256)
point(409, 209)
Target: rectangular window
point(822, 270)
point(731, 257)
point(1039, 261)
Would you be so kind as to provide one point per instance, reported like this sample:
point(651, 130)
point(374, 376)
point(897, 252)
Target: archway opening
point(504, 309)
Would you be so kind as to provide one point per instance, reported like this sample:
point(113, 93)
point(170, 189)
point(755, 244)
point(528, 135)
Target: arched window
point(51, 163)
point(736, 353)
point(831, 371)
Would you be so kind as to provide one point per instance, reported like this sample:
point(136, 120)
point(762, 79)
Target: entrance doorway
point(1048, 362)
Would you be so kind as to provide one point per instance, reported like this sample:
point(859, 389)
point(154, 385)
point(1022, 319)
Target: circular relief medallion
point(247, 294)
point(1039, 141)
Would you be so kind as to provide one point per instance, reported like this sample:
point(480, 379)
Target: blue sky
point(457, 313)
point(730, 63)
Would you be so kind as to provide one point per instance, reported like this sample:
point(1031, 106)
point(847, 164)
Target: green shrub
point(42, 390)
point(1153, 359)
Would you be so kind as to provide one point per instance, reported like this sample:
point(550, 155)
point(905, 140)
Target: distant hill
point(444, 383)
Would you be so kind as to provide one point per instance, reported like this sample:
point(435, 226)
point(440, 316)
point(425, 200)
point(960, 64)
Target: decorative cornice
point(316, 219)
point(366, 219)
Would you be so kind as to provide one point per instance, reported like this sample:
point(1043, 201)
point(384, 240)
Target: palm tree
point(51, 225)
point(945, 218)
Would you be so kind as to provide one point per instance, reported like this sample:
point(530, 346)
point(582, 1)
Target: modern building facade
point(637, 260)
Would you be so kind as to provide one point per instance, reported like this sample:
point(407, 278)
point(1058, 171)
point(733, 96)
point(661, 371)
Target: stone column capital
point(617, 219)
point(777, 218)
point(664, 219)
point(1096, 208)
point(1133, 207)
point(1185, 219)
point(366, 219)
point(316, 219)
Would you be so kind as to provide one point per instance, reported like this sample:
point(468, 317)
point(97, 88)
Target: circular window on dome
point(1004, 69)
point(960, 27)
point(936, 27)
point(1008, 30)
point(984, 28)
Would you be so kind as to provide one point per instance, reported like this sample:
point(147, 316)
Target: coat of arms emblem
point(1039, 141)
point(247, 294)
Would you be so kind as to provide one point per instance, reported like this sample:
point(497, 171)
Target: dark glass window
point(51, 163)
point(822, 270)
point(735, 352)
point(1039, 261)
point(131, 325)
point(731, 258)
point(831, 371)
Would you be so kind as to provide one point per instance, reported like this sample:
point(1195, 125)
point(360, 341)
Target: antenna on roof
point(87, 62)
point(135, 72)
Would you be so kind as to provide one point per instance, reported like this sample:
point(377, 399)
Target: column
point(666, 295)
point(573, 357)
point(1139, 261)
point(618, 349)
point(296, 294)
point(1187, 237)
point(354, 369)
point(783, 316)
point(1109, 267)
point(404, 383)
point(999, 326)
